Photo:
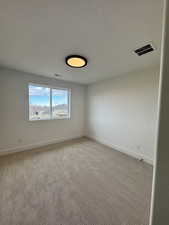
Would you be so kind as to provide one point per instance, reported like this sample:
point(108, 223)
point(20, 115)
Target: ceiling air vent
point(144, 50)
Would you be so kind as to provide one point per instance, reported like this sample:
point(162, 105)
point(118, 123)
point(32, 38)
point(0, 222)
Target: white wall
point(160, 197)
point(122, 112)
point(15, 129)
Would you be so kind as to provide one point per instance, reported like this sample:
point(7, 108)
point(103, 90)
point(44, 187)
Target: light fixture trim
point(76, 61)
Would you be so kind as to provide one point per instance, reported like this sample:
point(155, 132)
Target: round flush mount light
point(76, 61)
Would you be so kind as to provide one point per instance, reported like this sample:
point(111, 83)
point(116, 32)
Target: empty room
point(83, 112)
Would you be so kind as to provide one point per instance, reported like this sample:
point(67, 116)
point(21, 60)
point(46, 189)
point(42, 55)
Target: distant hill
point(45, 109)
point(60, 107)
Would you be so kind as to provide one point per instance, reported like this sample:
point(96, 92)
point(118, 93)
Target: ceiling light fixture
point(76, 61)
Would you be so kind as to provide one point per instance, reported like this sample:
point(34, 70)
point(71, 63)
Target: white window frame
point(51, 87)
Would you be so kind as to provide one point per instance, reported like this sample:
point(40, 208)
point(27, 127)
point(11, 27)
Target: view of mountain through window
point(59, 103)
point(48, 103)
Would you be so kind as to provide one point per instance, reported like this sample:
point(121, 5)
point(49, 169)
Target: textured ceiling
point(37, 35)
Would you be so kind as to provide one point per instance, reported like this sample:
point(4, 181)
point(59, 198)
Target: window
point(60, 102)
point(47, 103)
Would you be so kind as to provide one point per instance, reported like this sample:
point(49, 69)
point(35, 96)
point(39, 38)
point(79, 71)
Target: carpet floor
point(78, 182)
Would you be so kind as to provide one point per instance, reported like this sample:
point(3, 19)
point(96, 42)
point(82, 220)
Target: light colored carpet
point(79, 182)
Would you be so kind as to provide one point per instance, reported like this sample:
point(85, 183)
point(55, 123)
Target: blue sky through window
point(41, 96)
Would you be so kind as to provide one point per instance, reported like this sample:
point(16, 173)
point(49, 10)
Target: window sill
point(64, 118)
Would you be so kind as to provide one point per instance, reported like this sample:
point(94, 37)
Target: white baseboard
point(36, 145)
point(55, 141)
point(123, 150)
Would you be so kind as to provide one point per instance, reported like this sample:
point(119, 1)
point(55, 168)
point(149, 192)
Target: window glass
point(48, 103)
point(60, 103)
point(39, 102)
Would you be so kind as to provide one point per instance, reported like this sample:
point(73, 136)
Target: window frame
point(51, 87)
